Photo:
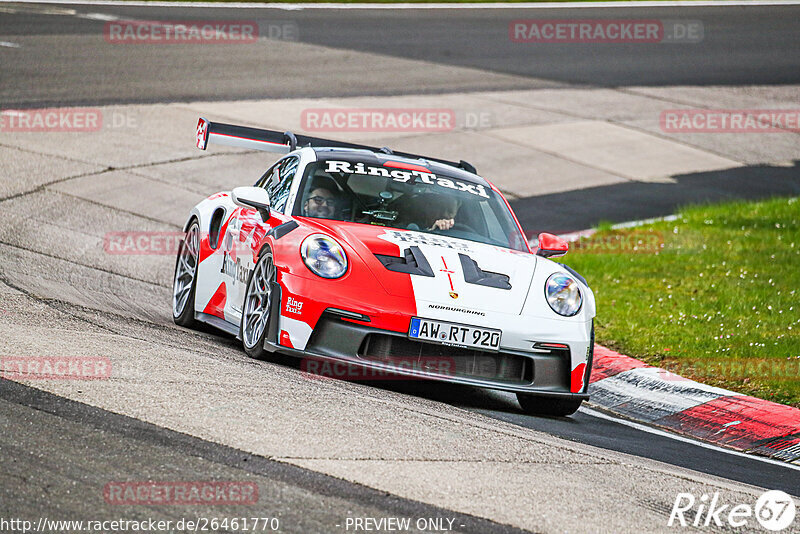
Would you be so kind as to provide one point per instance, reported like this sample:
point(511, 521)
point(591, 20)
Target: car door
point(246, 230)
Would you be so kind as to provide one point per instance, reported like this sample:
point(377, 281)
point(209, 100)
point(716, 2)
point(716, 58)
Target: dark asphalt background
point(65, 60)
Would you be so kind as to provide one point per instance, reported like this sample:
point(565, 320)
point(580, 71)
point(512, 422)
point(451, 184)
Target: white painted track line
point(97, 16)
point(642, 222)
point(644, 428)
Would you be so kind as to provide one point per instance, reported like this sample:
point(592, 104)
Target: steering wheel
point(457, 227)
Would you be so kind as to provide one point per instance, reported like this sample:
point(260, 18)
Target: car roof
point(379, 158)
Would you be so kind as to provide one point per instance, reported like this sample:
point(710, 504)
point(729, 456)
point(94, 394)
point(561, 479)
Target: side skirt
point(216, 322)
point(232, 329)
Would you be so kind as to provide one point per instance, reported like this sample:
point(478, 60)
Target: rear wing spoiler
point(282, 143)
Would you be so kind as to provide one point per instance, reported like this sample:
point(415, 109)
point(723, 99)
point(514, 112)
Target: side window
point(493, 224)
point(265, 178)
point(280, 187)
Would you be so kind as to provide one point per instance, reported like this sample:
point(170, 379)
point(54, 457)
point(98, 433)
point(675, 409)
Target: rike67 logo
point(774, 510)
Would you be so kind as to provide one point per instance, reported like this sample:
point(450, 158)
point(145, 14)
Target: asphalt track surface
point(65, 60)
point(304, 501)
point(76, 445)
point(585, 428)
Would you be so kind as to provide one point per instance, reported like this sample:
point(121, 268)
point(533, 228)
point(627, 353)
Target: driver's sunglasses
point(319, 201)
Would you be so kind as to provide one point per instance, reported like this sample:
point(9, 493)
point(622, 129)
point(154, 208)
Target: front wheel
point(257, 306)
point(536, 405)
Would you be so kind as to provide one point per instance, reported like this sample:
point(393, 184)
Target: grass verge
point(712, 296)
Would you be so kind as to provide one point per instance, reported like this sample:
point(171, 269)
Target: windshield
point(406, 196)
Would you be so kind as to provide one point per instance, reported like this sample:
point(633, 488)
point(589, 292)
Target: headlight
point(563, 294)
point(324, 256)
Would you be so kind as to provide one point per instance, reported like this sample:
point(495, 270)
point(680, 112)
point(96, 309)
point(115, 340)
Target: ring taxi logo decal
point(234, 269)
point(401, 237)
point(404, 176)
point(231, 262)
point(293, 306)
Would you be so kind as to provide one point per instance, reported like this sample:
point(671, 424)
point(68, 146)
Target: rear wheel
point(257, 306)
point(536, 405)
point(185, 279)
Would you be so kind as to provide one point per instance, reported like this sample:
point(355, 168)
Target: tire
point(535, 405)
point(257, 306)
point(184, 281)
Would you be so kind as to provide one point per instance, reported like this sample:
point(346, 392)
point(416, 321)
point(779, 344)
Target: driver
point(320, 203)
point(441, 213)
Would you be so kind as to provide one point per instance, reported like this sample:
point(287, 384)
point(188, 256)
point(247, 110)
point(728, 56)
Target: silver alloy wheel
point(257, 301)
point(185, 270)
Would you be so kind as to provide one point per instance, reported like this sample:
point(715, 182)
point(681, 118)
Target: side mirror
point(252, 197)
point(551, 246)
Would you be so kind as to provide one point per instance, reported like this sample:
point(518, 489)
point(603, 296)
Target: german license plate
point(459, 335)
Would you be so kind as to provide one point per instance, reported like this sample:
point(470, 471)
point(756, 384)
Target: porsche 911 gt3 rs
point(385, 261)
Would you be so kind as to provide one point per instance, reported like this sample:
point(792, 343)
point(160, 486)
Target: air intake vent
point(444, 360)
point(474, 275)
point(412, 262)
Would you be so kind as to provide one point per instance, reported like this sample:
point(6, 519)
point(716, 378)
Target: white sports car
point(388, 263)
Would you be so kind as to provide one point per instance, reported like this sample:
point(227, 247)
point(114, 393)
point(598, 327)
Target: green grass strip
point(713, 296)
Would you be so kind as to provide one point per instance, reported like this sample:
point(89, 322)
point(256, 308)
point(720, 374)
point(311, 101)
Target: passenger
point(320, 203)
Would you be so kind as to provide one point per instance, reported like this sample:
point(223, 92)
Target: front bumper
point(385, 354)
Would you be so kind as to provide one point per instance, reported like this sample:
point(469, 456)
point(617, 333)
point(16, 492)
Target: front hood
point(449, 286)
